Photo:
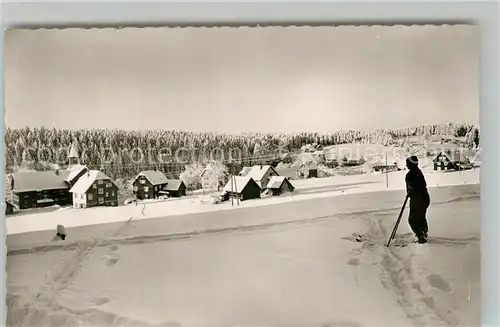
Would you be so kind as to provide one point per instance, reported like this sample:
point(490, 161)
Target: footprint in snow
point(100, 300)
point(113, 256)
point(354, 262)
point(439, 283)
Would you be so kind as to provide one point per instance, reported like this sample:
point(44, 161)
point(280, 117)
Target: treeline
point(122, 153)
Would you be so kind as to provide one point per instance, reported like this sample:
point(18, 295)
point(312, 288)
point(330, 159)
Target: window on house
point(90, 196)
point(112, 193)
point(81, 196)
point(143, 181)
point(94, 186)
point(146, 189)
point(107, 194)
point(101, 200)
point(75, 196)
point(100, 191)
point(108, 184)
point(99, 182)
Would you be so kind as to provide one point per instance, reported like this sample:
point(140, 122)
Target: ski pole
point(396, 225)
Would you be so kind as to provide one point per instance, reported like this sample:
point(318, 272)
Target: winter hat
point(412, 161)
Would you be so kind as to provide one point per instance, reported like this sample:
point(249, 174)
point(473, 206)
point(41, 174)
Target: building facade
point(40, 189)
point(279, 185)
point(149, 184)
point(262, 174)
point(175, 188)
point(94, 189)
point(243, 188)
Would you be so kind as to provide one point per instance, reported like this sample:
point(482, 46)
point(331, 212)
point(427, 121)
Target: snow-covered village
point(122, 222)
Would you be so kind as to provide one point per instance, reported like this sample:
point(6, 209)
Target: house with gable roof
point(32, 189)
point(279, 185)
point(262, 174)
point(175, 188)
point(149, 184)
point(451, 159)
point(93, 189)
point(241, 187)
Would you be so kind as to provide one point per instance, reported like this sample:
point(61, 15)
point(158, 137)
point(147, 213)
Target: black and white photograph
point(277, 176)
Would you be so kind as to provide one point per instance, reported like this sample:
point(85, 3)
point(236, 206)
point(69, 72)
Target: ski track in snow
point(404, 277)
point(112, 239)
point(34, 312)
point(398, 273)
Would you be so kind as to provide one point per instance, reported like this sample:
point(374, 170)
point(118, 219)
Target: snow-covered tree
point(191, 176)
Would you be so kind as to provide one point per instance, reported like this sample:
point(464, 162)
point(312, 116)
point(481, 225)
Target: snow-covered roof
point(86, 181)
point(39, 180)
point(275, 182)
point(155, 177)
point(74, 170)
point(239, 183)
point(245, 171)
point(173, 185)
point(258, 172)
point(454, 155)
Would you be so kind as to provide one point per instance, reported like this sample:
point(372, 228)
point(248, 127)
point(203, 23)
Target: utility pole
point(386, 173)
point(236, 191)
point(232, 187)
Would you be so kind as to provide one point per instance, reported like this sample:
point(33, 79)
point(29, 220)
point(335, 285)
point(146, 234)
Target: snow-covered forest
point(123, 153)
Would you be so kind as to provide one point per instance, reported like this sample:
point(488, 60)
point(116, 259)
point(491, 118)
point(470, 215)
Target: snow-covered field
point(40, 219)
point(295, 263)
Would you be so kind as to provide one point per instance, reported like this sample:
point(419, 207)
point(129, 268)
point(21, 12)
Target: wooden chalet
point(262, 174)
point(175, 188)
point(149, 184)
point(279, 185)
point(40, 188)
point(241, 187)
point(94, 189)
point(452, 159)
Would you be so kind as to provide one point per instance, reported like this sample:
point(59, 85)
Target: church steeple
point(73, 155)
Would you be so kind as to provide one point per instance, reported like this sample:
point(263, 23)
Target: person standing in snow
point(416, 190)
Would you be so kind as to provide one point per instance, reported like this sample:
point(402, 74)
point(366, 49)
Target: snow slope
point(292, 263)
point(305, 190)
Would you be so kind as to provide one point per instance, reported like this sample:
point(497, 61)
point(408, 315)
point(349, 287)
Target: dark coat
point(416, 188)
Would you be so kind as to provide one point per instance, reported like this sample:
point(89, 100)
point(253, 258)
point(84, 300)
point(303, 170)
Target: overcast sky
point(282, 79)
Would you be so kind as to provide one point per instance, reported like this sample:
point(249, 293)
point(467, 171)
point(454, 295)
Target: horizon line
point(139, 130)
